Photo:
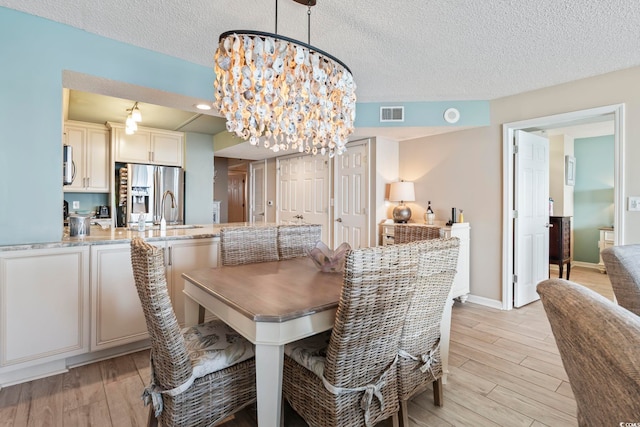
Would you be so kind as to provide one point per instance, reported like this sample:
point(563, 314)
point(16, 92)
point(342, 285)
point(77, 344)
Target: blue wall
point(593, 194)
point(198, 200)
point(35, 52)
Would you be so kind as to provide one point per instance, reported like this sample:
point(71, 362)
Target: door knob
point(548, 225)
point(339, 220)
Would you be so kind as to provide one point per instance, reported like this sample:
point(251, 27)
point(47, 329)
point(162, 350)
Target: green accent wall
point(593, 194)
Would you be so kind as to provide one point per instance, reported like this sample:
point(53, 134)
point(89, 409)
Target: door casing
point(508, 130)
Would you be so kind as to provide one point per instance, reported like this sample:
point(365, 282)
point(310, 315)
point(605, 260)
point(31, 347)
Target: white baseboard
point(487, 302)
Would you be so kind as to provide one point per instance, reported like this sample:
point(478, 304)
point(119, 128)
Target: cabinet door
point(116, 312)
point(97, 160)
point(166, 149)
point(186, 256)
point(460, 286)
point(132, 148)
point(44, 309)
point(75, 137)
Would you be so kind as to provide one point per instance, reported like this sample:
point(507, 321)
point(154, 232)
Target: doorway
point(236, 192)
point(510, 243)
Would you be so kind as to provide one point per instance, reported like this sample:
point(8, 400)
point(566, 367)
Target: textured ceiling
point(409, 50)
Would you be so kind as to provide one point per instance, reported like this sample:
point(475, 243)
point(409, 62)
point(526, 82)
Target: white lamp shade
point(402, 192)
point(136, 115)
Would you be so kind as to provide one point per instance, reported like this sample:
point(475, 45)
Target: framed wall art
point(569, 170)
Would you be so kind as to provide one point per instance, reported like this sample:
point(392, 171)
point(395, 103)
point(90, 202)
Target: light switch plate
point(634, 203)
point(76, 204)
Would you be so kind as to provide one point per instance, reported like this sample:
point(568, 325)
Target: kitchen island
point(100, 236)
point(74, 301)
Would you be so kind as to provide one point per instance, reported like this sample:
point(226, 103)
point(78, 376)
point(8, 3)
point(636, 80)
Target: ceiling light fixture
point(134, 116)
point(289, 92)
point(203, 106)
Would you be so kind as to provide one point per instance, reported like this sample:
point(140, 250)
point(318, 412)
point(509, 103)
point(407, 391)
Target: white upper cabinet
point(150, 146)
point(90, 156)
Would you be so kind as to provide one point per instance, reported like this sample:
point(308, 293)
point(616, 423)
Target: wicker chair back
point(623, 269)
point(598, 342)
point(295, 240)
point(246, 245)
point(404, 233)
point(171, 361)
point(420, 363)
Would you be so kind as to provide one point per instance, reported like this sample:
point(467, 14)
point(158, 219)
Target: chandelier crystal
point(284, 91)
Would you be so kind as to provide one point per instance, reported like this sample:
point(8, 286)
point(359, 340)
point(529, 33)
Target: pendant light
point(284, 92)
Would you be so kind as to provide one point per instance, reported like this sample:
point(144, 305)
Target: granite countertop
point(99, 236)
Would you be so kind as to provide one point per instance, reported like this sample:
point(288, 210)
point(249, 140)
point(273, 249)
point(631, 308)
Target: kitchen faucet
point(163, 222)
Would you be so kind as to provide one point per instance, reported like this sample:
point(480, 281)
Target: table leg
point(269, 365)
point(445, 333)
point(191, 311)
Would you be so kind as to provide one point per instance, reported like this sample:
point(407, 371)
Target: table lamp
point(402, 191)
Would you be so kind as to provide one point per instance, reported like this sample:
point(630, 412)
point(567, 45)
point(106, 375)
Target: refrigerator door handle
point(157, 203)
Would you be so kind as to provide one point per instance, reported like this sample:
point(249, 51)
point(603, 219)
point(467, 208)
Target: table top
point(271, 291)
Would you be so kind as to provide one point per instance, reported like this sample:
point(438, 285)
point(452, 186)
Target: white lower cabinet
point(116, 313)
point(183, 256)
point(67, 305)
point(44, 309)
point(117, 316)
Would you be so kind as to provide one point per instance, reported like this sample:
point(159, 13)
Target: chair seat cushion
point(310, 352)
point(214, 345)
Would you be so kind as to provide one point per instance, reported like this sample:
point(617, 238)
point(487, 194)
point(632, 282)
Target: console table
point(460, 230)
point(606, 241)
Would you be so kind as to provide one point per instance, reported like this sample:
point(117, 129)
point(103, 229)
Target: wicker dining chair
point(200, 375)
point(348, 376)
point(420, 363)
point(405, 233)
point(295, 240)
point(598, 343)
point(246, 245)
point(623, 267)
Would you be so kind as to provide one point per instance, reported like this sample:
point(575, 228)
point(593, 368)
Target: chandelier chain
point(309, 22)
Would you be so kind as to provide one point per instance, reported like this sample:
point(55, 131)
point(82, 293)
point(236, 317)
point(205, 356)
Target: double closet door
point(331, 192)
point(304, 191)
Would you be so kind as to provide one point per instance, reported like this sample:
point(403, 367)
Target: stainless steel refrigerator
point(148, 189)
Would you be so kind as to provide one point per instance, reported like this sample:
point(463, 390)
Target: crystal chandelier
point(290, 93)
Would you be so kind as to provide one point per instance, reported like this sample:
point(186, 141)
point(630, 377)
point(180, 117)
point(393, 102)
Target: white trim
point(508, 130)
point(584, 264)
point(487, 302)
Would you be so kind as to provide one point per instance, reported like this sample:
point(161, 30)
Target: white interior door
point(351, 223)
point(315, 192)
point(289, 208)
point(304, 191)
point(257, 191)
point(531, 222)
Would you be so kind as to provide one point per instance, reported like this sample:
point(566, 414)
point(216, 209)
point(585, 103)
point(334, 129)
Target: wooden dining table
point(271, 304)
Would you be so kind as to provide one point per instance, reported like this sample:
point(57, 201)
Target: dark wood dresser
point(560, 242)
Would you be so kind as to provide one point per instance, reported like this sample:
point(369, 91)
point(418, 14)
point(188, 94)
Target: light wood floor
point(504, 371)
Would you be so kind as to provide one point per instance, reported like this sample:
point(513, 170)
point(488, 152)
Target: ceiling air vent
point(392, 114)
